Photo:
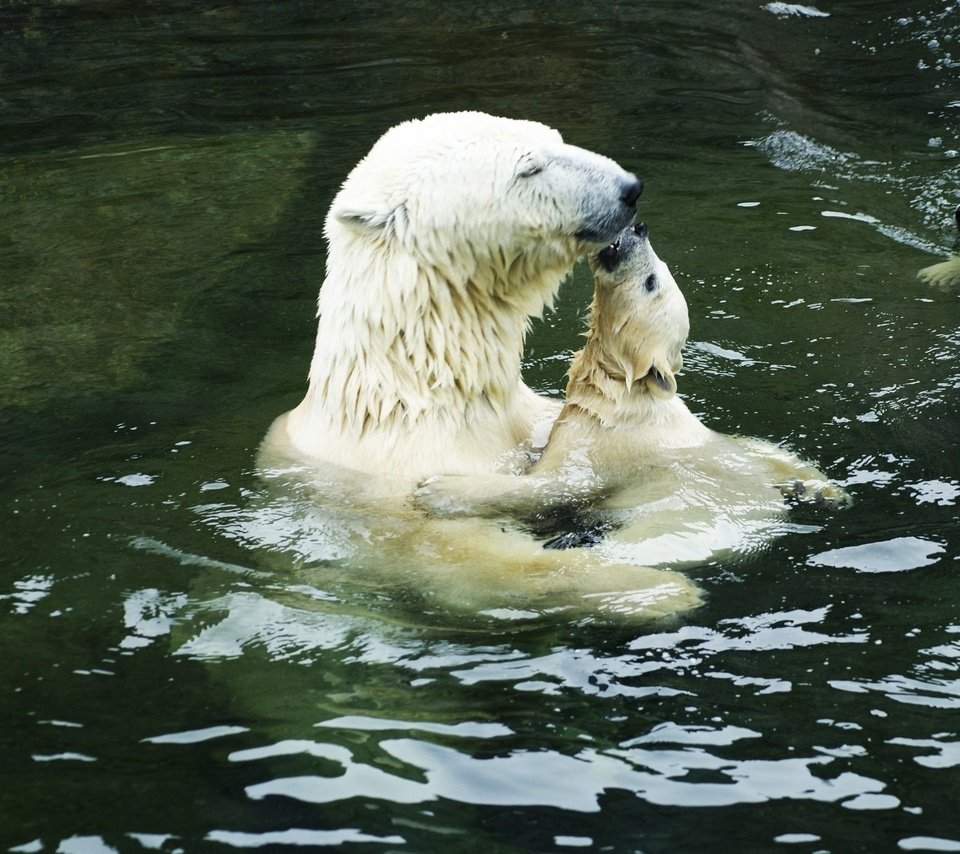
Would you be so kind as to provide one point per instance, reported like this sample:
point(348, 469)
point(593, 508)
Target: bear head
point(471, 195)
point(639, 316)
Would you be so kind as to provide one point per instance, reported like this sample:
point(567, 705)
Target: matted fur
point(443, 242)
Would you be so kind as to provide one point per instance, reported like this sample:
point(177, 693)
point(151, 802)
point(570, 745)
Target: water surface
point(174, 681)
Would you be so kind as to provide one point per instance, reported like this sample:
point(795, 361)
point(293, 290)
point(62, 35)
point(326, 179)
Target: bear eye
point(530, 169)
point(650, 284)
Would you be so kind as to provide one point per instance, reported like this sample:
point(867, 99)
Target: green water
point(180, 672)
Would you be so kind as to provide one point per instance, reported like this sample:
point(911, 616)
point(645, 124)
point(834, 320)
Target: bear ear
point(393, 222)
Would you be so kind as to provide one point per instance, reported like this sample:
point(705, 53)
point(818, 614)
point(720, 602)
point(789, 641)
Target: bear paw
point(945, 275)
point(447, 495)
point(821, 493)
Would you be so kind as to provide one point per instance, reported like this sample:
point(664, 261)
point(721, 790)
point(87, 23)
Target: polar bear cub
point(625, 443)
point(443, 242)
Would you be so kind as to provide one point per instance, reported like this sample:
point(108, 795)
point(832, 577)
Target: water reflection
point(420, 761)
point(793, 151)
point(570, 782)
point(930, 685)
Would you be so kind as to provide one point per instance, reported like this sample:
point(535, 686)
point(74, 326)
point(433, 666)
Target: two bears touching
point(443, 242)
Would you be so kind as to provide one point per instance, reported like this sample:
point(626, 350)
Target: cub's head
point(639, 316)
point(465, 193)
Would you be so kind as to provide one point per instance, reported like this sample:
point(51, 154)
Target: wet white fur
point(443, 242)
point(626, 443)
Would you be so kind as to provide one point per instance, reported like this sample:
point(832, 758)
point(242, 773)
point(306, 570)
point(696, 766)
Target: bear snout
point(631, 191)
point(608, 218)
point(631, 239)
point(623, 247)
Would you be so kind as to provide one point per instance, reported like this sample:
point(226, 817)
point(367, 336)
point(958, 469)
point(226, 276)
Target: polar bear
point(945, 274)
point(672, 490)
point(443, 242)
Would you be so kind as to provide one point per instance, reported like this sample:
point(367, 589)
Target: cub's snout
point(631, 241)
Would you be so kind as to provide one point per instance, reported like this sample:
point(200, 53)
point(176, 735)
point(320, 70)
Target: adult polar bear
point(444, 241)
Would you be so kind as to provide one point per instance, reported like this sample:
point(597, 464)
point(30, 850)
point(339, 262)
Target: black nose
point(631, 192)
point(640, 229)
